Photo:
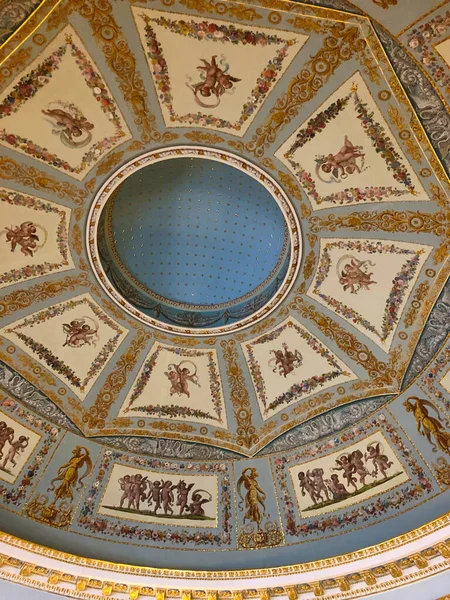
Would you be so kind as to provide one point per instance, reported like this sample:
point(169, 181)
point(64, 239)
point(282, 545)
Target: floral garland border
point(30, 84)
point(53, 361)
point(16, 495)
point(216, 33)
point(176, 410)
point(396, 295)
point(298, 388)
point(380, 141)
point(418, 42)
point(29, 271)
point(88, 517)
point(375, 508)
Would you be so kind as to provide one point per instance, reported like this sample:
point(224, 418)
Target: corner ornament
point(255, 511)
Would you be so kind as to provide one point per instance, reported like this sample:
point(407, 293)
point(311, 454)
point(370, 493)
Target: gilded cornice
point(54, 571)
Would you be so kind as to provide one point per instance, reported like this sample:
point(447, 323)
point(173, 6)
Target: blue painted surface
point(196, 231)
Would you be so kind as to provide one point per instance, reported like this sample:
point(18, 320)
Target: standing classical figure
point(254, 496)
point(426, 425)
point(68, 474)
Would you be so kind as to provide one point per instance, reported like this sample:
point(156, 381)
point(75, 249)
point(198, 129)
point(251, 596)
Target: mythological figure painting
point(345, 153)
point(26, 237)
point(342, 164)
point(188, 387)
point(259, 530)
point(198, 72)
point(60, 111)
point(164, 498)
point(368, 282)
point(181, 377)
point(78, 332)
point(215, 81)
point(74, 339)
point(33, 237)
point(351, 475)
point(17, 442)
point(288, 364)
point(354, 274)
point(69, 124)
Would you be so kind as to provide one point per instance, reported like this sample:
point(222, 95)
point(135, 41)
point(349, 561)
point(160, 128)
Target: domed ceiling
point(224, 255)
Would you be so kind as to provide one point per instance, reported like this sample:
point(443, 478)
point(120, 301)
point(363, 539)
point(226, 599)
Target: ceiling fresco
point(224, 263)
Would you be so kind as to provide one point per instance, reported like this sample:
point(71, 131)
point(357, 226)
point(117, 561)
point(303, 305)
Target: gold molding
point(442, 547)
point(405, 570)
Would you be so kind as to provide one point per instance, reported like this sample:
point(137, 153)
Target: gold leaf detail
point(10, 170)
point(342, 43)
point(122, 62)
point(20, 299)
point(116, 380)
point(240, 11)
point(14, 64)
point(419, 295)
point(381, 374)
point(246, 432)
point(111, 161)
point(206, 138)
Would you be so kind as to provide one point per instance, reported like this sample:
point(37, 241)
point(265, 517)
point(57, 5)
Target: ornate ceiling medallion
point(194, 241)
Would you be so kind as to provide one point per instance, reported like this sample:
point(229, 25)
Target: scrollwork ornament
point(20, 299)
point(342, 42)
point(115, 381)
point(246, 432)
point(122, 62)
point(381, 374)
point(10, 170)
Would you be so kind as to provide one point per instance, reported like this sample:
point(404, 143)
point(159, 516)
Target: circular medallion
point(194, 241)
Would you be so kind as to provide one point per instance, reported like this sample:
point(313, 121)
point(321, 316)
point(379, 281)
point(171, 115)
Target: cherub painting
point(342, 164)
point(25, 236)
point(73, 128)
point(285, 361)
point(215, 81)
point(78, 333)
point(380, 461)
point(180, 377)
point(354, 274)
point(366, 469)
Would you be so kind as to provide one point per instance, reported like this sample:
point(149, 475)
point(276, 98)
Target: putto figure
point(342, 164)
point(180, 377)
point(15, 447)
point(158, 495)
point(25, 236)
point(380, 461)
point(354, 275)
point(325, 487)
point(73, 128)
point(285, 360)
point(215, 83)
point(78, 333)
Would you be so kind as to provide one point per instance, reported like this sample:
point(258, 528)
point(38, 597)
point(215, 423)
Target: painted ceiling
point(223, 277)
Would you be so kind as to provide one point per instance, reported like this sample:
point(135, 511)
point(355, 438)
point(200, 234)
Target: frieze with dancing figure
point(157, 497)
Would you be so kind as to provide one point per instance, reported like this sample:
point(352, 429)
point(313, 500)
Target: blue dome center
point(196, 232)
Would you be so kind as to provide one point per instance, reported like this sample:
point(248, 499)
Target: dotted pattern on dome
point(196, 231)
